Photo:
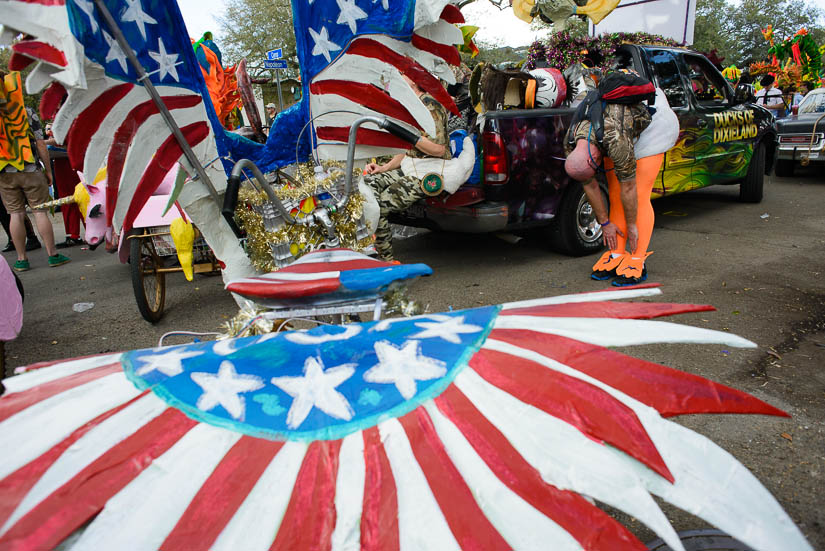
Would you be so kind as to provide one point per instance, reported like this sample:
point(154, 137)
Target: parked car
point(795, 133)
point(724, 139)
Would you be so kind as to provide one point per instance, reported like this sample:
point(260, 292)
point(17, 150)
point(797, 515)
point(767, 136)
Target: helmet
point(551, 88)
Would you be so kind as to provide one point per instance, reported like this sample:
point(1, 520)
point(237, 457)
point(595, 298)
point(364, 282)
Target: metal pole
point(156, 99)
point(278, 82)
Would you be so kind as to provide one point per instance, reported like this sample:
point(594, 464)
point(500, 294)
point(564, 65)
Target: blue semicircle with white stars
point(323, 383)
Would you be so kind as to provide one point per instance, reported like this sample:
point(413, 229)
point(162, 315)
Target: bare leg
point(18, 234)
point(44, 228)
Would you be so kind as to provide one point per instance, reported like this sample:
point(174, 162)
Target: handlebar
point(230, 200)
point(382, 122)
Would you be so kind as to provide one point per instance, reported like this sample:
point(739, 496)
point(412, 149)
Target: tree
point(250, 28)
point(786, 16)
point(712, 30)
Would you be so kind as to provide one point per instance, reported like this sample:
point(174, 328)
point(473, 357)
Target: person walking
point(32, 243)
point(25, 171)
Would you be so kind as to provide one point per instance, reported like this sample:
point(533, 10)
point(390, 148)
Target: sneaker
point(70, 242)
point(9, 247)
point(625, 281)
point(32, 244)
point(606, 266)
point(58, 260)
point(21, 266)
point(632, 271)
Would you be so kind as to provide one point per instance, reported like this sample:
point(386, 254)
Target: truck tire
point(784, 168)
point(576, 231)
point(702, 540)
point(750, 190)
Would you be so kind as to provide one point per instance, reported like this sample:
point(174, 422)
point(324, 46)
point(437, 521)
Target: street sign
point(277, 64)
point(272, 55)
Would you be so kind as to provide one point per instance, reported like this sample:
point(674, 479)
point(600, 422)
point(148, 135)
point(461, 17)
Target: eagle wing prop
point(489, 428)
point(352, 60)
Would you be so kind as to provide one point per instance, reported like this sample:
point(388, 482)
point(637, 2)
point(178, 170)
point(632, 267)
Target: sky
point(496, 27)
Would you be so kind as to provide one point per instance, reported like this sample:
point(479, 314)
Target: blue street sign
point(277, 64)
point(272, 55)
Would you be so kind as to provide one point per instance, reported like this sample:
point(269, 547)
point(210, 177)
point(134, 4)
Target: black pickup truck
point(724, 139)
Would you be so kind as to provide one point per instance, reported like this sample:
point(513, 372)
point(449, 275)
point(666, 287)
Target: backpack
point(624, 87)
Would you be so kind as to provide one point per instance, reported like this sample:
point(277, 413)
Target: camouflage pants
point(622, 125)
point(394, 193)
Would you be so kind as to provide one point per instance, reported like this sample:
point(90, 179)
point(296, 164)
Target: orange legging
point(647, 169)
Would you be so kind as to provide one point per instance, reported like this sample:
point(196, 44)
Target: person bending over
point(628, 227)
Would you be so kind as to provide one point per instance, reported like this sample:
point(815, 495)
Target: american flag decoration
point(327, 276)
point(489, 428)
point(353, 55)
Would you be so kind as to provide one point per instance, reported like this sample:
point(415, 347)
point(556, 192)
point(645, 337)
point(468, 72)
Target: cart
point(152, 255)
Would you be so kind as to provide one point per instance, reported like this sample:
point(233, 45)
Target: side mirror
point(744, 94)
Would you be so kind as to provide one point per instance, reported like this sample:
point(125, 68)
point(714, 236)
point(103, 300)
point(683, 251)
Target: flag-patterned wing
point(326, 276)
point(490, 428)
point(108, 118)
point(353, 55)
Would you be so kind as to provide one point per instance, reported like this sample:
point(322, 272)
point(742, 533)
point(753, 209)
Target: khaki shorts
point(18, 188)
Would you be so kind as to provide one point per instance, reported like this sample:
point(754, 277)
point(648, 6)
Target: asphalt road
point(761, 266)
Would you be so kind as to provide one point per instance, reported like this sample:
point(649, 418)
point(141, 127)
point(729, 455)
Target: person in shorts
point(25, 172)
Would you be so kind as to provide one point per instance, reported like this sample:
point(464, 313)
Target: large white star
point(323, 45)
point(403, 367)
point(447, 329)
point(87, 7)
point(166, 62)
point(349, 14)
point(224, 389)
point(115, 52)
point(316, 389)
point(168, 363)
point(134, 12)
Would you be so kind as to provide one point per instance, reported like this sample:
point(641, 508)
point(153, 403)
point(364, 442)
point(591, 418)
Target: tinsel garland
point(561, 49)
point(301, 238)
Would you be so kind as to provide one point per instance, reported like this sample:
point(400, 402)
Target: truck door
point(678, 163)
point(721, 134)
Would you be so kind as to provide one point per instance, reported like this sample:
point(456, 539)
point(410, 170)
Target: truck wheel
point(784, 168)
point(576, 231)
point(750, 190)
point(702, 540)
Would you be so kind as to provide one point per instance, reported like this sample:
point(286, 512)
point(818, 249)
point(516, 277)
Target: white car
point(795, 134)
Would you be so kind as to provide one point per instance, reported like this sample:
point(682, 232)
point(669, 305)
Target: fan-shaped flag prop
point(475, 429)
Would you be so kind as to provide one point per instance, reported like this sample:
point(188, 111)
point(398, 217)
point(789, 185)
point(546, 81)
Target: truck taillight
point(495, 159)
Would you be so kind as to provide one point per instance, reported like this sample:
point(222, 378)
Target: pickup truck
point(724, 138)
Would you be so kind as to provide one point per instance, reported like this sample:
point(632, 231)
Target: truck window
point(666, 71)
point(708, 84)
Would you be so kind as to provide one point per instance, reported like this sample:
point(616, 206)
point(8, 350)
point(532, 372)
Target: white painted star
point(168, 363)
point(323, 45)
point(316, 389)
point(134, 12)
point(88, 7)
point(447, 329)
point(349, 14)
point(224, 389)
point(115, 52)
point(166, 62)
point(403, 367)
point(384, 3)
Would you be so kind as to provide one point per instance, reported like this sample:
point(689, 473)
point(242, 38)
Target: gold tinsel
point(301, 238)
